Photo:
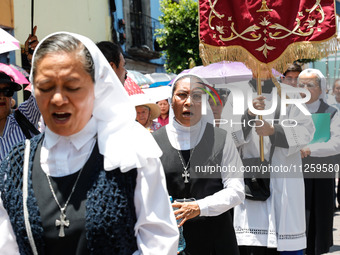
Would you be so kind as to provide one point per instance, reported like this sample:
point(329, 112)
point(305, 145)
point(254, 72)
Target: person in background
point(163, 118)
point(10, 130)
point(322, 151)
point(216, 105)
point(114, 55)
point(203, 201)
point(93, 182)
point(146, 113)
point(276, 225)
point(335, 102)
point(290, 76)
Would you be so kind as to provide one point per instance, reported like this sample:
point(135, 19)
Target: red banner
point(267, 30)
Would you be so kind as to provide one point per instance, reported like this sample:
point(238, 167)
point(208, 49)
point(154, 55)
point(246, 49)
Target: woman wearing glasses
point(191, 146)
point(10, 131)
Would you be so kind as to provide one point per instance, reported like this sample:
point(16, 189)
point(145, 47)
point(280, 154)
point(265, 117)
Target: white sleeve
point(233, 192)
point(156, 228)
point(8, 244)
point(301, 131)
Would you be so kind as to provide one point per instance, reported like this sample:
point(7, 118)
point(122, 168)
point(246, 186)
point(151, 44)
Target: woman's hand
point(186, 211)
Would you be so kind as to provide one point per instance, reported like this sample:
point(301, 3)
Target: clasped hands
point(263, 128)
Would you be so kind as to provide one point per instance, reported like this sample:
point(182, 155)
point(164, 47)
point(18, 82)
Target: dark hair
point(293, 68)
point(64, 43)
point(111, 51)
point(223, 95)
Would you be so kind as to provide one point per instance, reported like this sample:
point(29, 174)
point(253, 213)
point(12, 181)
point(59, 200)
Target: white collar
point(78, 140)
point(314, 107)
point(182, 137)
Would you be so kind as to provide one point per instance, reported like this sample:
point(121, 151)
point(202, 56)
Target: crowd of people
point(99, 177)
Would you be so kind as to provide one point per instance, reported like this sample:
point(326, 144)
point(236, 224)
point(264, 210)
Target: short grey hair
point(315, 72)
point(64, 43)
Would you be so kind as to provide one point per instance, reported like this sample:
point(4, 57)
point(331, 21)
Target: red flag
point(275, 32)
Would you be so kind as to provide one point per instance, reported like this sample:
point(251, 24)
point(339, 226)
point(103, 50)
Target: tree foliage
point(179, 36)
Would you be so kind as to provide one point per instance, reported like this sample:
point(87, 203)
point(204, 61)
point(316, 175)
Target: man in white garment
point(277, 224)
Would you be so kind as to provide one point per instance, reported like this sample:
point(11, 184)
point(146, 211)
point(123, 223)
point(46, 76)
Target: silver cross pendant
point(62, 223)
point(186, 174)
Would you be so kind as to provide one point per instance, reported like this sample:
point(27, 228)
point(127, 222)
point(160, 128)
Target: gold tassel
point(299, 50)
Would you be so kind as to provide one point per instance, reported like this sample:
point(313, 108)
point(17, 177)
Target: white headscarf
point(122, 141)
point(323, 82)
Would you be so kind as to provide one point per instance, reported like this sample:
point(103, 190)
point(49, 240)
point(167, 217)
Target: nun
point(93, 182)
point(202, 169)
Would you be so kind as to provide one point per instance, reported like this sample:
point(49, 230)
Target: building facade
point(129, 22)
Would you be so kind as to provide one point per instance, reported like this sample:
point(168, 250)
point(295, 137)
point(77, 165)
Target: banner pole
point(259, 92)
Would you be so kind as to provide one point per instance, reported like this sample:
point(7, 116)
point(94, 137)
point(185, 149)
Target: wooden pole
point(259, 92)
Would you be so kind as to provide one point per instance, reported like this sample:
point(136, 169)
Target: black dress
point(203, 235)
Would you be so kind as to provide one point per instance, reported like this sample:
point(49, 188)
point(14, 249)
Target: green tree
point(179, 36)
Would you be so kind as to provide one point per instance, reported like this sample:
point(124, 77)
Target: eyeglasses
point(7, 92)
point(308, 85)
point(195, 96)
point(291, 79)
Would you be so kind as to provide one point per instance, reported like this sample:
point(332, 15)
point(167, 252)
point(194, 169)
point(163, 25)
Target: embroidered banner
point(275, 32)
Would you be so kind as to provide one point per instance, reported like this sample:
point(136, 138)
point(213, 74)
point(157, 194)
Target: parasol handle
point(32, 16)
point(259, 92)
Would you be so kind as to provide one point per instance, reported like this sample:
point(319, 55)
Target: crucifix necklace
point(63, 222)
point(185, 173)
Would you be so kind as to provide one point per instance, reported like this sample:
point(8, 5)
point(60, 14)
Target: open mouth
point(2, 104)
point(61, 116)
point(187, 114)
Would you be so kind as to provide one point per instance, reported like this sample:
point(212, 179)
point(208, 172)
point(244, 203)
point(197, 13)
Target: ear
point(12, 102)
point(113, 66)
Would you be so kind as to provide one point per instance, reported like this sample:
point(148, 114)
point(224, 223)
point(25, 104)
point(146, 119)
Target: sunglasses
point(7, 92)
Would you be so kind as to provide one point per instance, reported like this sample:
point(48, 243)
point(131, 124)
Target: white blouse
point(156, 229)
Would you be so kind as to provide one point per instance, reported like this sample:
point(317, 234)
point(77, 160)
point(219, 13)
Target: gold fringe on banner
point(299, 50)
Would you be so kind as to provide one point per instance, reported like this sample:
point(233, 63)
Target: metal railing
point(143, 29)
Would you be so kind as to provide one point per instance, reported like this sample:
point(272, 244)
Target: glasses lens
point(181, 96)
point(196, 97)
point(308, 85)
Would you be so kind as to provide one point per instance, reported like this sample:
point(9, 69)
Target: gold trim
point(299, 50)
point(227, 32)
